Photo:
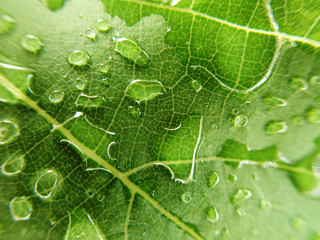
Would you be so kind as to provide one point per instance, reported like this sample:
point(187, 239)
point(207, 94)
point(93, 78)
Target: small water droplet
point(212, 214)
point(315, 80)
point(52, 4)
point(90, 193)
point(134, 111)
point(103, 25)
point(186, 197)
point(168, 29)
point(45, 184)
point(56, 96)
point(104, 68)
point(297, 120)
point(91, 33)
point(273, 127)
point(265, 204)
point(7, 23)
point(298, 84)
point(225, 231)
point(241, 121)
point(213, 179)
point(296, 223)
point(235, 111)
point(89, 101)
point(29, 82)
point(313, 115)
point(241, 212)
point(8, 130)
point(79, 58)
point(143, 90)
point(131, 49)
point(196, 85)
point(31, 43)
point(232, 177)
point(80, 83)
point(20, 208)
point(144, 234)
point(240, 195)
point(275, 101)
point(100, 197)
point(13, 165)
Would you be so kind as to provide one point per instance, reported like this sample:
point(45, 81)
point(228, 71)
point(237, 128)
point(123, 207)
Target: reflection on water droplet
point(273, 127)
point(29, 82)
point(275, 101)
point(103, 25)
point(104, 68)
point(168, 29)
point(31, 43)
point(45, 184)
point(186, 197)
point(7, 23)
point(298, 84)
point(296, 223)
point(89, 101)
point(196, 85)
point(131, 49)
point(241, 212)
point(8, 130)
point(313, 115)
point(241, 194)
point(143, 90)
point(13, 165)
point(241, 121)
point(79, 58)
point(232, 177)
point(56, 96)
point(265, 205)
point(91, 33)
point(80, 83)
point(297, 120)
point(134, 111)
point(315, 80)
point(213, 180)
point(20, 208)
point(212, 214)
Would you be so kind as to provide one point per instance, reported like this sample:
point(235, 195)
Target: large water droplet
point(241, 121)
point(275, 101)
point(213, 179)
point(8, 130)
point(186, 197)
point(241, 212)
point(276, 127)
point(79, 58)
point(31, 43)
point(196, 85)
point(53, 4)
point(313, 115)
point(265, 205)
point(131, 49)
point(45, 184)
point(104, 68)
point(134, 111)
point(91, 33)
point(80, 83)
point(89, 101)
point(298, 84)
point(7, 23)
point(315, 80)
point(241, 194)
point(103, 25)
point(20, 208)
point(143, 90)
point(212, 214)
point(13, 165)
point(56, 96)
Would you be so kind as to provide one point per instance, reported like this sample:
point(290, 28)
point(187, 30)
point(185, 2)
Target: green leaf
point(158, 119)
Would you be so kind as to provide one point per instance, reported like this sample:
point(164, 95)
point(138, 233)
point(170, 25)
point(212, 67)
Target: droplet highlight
point(45, 184)
point(265, 205)
point(240, 195)
point(20, 208)
point(241, 121)
point(31, 43)
point(13, 165)
point(186, 197)
point(213, 180)
point(89, 101)
point(7, 24)
point(275, 101)
point(298, 84)
point(103, 25)
point(80, 83)
point(104, 68)
point(274, 127)
point(232, 177)
point(143, 90)
point(56, 96)
point(8, 131)
point(79, 58)
point(212, 214)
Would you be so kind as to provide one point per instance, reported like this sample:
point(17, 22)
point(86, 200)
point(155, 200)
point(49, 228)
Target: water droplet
point(56, 96)
point(79, 58)
point(106, 81)
point(225, 231)
point(241, 212)
point(276, 127)
point(232, 177)
point(103, 25)
point(275, 101)
point(132, 50)
point(186, 197)
point(13, 165)
point(313, 115)
point(134, 111)
point(235, 111)
point(298, 84)
point(29, 82)
point(80, 83)
point(241, 194)
point(91, 33)
point(213, 180)
point(8, 130)
point(89, 101)
point(241, 121)
point(52, 4)
point(296, 223)
point(20, 208)
point(297, 120)
point(212, 214)
point(196, 85)
point(45, 184)
point(168, 29)
point(31, 43)
point(90, 193)
point(265, 205)
point(104, 68)
point(7, 23)
point(315, 80)
point(143, 90)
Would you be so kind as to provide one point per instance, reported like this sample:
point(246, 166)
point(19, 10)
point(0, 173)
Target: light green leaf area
point(130, 119)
